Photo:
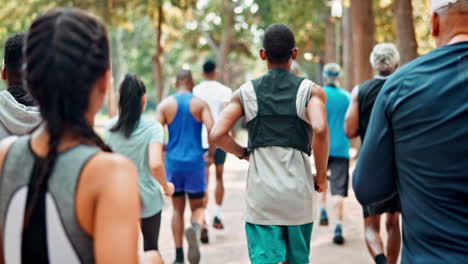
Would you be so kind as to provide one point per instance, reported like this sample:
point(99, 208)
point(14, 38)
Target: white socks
point(218, 211)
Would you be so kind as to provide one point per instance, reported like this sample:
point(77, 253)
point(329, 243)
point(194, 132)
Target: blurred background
point(155, 38)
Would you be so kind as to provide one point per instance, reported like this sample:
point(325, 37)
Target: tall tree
point(226, 41)
point(348, 63)
point(404, 25)
point(330, 41)
point(157, 59)
point(363, 38)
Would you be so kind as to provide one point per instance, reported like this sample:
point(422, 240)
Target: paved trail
point(229, 246)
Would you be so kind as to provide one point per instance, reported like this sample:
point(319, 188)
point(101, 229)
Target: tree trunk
point(406, 37)
point(157, 59)
point(226, 42)
point(363, 38)
point(348, 50)
point(330, 41)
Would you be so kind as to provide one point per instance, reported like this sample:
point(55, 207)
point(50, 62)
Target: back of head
point(450, 18)
point(184, 79)
point(132, 91)
point(331, 72)
point(66, 52)
point(209, 67)
point(385, 58)
point(13, 58)
point(278, 43)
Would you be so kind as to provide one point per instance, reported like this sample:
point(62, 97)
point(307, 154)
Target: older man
point(417, 144)
point(384, 60)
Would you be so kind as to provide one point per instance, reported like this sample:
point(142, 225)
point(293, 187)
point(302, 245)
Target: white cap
point(436, 4)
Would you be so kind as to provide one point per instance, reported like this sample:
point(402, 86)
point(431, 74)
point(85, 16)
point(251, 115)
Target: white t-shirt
point(215, 95)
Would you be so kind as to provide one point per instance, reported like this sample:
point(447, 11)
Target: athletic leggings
point(150, 228)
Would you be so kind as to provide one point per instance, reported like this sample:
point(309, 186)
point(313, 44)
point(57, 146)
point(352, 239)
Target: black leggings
point(150, 228)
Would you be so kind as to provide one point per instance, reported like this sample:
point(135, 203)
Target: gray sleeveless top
point(66, 241)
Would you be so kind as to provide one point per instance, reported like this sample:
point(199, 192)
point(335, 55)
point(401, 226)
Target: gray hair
point(384, 57)
point(331, 72)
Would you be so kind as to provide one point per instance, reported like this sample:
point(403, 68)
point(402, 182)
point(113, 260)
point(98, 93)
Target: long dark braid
point(66, 51)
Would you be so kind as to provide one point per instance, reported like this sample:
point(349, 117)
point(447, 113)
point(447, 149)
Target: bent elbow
point(214, 137)
point(321, 130)
point(350, 133)
point(156, 166)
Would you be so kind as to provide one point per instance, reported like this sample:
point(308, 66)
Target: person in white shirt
point(216, 95)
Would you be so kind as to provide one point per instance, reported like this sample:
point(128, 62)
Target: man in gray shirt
point(18, 116)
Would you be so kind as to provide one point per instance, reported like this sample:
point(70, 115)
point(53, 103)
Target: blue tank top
point(184, 150)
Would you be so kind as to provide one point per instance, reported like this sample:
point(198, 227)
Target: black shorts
point(193, 196)
point(389, 206)
point(339, 177)
point(219, 156)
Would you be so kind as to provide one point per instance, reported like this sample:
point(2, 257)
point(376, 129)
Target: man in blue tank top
point(185, 115)
point(416, 144)
point(338, 161)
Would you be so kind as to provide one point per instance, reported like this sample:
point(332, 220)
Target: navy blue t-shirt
point(417, 145)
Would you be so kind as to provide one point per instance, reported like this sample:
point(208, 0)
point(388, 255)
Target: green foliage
point(191, 28)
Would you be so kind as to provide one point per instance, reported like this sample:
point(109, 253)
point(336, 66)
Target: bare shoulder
point(198, 103)
point(318, 92)
point(111, 168)
point(166, 103)
point(5, 145)
point(236, 96)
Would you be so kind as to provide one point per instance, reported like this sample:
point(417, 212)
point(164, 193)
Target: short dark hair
point(278, 43)
point(209, 67)
point(13, 57)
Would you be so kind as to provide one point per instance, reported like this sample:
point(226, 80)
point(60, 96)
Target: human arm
point(116, 210)
point(155, 154)
point(374, 178)
point(220, 134)
point(351, 124)
point(160, 113)
point(111, 100)
point(4, 146)
point(317, 115)
point(207, 120)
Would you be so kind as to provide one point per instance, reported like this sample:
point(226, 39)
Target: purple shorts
point(191, 182)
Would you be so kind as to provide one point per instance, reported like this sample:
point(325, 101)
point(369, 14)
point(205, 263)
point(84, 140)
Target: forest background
point(155, 38)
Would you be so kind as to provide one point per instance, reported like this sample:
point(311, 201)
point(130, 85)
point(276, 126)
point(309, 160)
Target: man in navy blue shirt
point(417, 144)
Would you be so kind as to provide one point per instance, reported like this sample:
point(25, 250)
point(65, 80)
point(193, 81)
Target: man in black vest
point(282, 111)
point(384, 59)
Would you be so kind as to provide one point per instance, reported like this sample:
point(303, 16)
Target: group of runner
point(66, 198)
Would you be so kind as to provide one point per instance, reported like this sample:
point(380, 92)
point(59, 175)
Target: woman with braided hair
point(65, 198)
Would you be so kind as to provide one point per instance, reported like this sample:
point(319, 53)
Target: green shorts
point(275, 244)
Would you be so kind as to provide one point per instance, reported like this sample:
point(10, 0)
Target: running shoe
point(204, 238)
point(217, 224)
point(338, 238)
point(193, 236)
point(323, 218)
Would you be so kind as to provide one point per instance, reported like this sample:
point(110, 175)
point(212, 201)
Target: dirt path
point(229, 246)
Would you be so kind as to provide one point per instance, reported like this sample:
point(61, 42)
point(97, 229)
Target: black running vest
point(277, 122)
point(367, 93)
